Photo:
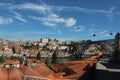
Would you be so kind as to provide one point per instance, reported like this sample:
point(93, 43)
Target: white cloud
point(45, 21)
point(45, 9)
point(50, 18)
point(53, 20)
point(70, 22)
point(93, 31)
point(20, 18)
point(79, 28)
point(42, 8)
point(5, 20)
point(108, 13)
point(103, 32)
point(49, 24)
point(34, 17)
point(100, 33)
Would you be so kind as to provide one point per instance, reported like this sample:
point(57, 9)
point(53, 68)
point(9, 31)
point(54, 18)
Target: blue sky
point(60, 19)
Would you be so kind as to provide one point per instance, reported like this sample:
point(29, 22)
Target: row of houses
point(16, 63)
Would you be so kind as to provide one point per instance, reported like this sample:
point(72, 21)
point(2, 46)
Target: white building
point(68, 42)
point(11, 63)
point(63, 47)
point(42, 44)
point(45, 40)
point(60, 42)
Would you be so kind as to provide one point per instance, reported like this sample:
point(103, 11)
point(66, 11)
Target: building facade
point(45, 40)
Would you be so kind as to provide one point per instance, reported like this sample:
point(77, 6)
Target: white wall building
point(45, 40)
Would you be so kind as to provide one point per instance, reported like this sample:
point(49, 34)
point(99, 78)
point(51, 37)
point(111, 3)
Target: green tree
point(11, 58)
point(13, 50)
point(54, 58)
point(38, 56)
point(21, 60)
point(1, 59)
point(47, 61)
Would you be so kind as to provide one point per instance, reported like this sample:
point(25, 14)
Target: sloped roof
point(50, 76)
point(29, 60)
point(15, 74)
point(43, 70)
point(73, 69)
point(29, 71)
point(3, 73)
point(16, 62)
point(9, 62)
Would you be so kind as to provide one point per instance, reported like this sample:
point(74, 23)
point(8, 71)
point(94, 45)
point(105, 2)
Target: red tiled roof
point(42, 64)
point(58, 67)
point(78, 67)
point(9, 62)
point(34, 60)
point(90, 59)
point(43, 70)
point(50, 76)
point(3, 73)
point(73, 69)
point(16, 62)
point(59, 74)
point(68, 70)
point(29, 60)
point(37, 61)
point(29, 71)
point(15, 74)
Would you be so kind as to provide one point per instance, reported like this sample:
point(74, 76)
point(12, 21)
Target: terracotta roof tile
point(29, 71)
point(57, 67)
point(16, 62)
point(53, 78)
point(3, 73)
point(42, 64)
point(68, 70)
point(29, 60)
point(9, 62)
point(15, 74)
point(43, 70)
point(38, 61)
point(73, 69)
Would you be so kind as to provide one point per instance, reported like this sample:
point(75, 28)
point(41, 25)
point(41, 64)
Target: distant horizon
point(59, 19)
point(56, 39)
